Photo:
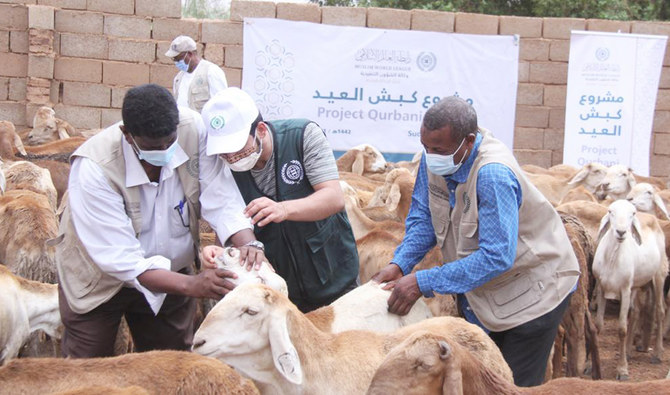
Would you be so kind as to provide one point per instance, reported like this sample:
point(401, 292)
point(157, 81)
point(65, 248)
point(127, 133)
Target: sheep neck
point(42, 307)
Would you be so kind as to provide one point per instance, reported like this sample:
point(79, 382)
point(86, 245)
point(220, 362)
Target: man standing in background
point(198, 79)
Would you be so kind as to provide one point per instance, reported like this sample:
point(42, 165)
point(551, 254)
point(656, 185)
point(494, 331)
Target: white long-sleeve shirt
point(104, 228)
point(216, 80)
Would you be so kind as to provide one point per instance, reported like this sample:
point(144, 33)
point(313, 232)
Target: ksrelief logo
point(217, 122)
point(602, 54)
point(426, 61)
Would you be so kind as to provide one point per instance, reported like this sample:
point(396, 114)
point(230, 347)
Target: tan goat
point(429, 364)
point(159, 372)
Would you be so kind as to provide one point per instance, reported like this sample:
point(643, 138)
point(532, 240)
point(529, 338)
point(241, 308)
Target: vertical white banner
point(364, 85)
point(612, 85)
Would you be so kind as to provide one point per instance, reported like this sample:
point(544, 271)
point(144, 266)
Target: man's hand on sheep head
point(405, 293)
point(252, 257)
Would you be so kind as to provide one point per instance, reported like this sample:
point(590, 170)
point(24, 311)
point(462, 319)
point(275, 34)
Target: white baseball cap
point(179, 45)
point(228, 117)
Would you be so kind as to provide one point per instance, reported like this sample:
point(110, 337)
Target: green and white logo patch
point(217, 122)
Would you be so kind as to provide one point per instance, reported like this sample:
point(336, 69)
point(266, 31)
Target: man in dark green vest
point(288, 177)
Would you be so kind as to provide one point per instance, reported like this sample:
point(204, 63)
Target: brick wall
point(82, 55)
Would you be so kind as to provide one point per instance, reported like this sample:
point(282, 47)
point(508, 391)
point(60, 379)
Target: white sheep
point(630, 254)
point(616, 184)
point(260, 333)
point(645, 197)
point(230, 260)
point(25, 307)
point(366, 308)
point(46, 127)
point(159, 372)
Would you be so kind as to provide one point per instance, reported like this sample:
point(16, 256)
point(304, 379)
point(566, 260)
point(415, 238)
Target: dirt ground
point(640, 367)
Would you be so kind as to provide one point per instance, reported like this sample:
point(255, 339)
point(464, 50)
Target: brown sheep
point(579, 330)
point(59, 169)
point(105, 390)
point(429, 364)
point(27, 221)
point(362, 160)
point(159, 372)
point(28, 176)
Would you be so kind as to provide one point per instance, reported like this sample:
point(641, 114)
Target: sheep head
point(617, 182)
point(230, 260)
point(644, 197)
point(44, 127)
point(251, 319)
point(368, 159)
point(621, 218)
point(424, 363)
point(590, 176)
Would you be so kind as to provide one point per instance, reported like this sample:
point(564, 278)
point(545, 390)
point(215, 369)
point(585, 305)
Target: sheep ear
point(445, 349)
point(453, 381)
point(661, 205)
point(284, 354)
point(394, 198)
point(631, 179)
point(580, 176)
point(359, 164)
point(62, 134)
point(18, 143)
point(637, 230)
point(604, 226)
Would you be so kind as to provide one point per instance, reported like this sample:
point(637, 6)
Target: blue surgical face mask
point(157, 158)
point(444, 164)
point(181, 65)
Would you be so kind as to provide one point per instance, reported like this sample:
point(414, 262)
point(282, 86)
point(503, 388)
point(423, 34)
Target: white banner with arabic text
point(364, 85)
point(612, 84)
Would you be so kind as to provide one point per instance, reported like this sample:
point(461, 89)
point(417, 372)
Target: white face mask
point(248, 162)
point(443, 165)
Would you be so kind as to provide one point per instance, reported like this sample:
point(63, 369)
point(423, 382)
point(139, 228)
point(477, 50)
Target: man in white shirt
point(198, 79)
point(129, 234)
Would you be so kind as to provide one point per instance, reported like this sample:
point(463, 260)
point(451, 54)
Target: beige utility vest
point(198, 90)
point(85, 285)
point(545, 267)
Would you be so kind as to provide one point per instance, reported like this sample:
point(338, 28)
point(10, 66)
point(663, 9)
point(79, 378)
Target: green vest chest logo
point(292, 172)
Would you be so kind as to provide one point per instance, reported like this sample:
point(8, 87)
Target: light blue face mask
point(443, 165)
point(181, 65)
point(157, 158)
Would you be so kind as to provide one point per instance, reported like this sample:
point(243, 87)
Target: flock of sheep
point(617, 223)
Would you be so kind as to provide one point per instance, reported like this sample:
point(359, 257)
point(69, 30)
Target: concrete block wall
point(81, 56)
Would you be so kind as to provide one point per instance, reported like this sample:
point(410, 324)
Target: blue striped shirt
point(498, 199)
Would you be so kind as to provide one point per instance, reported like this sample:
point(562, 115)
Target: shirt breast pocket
point(179, 219)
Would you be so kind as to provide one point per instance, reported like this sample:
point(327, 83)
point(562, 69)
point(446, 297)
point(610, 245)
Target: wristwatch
point(256, 244)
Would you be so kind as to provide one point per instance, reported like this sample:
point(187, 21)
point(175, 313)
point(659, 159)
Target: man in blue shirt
point(498, 236)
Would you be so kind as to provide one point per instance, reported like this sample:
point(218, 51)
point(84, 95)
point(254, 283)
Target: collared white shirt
point(106, 231)
point(216, 80)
